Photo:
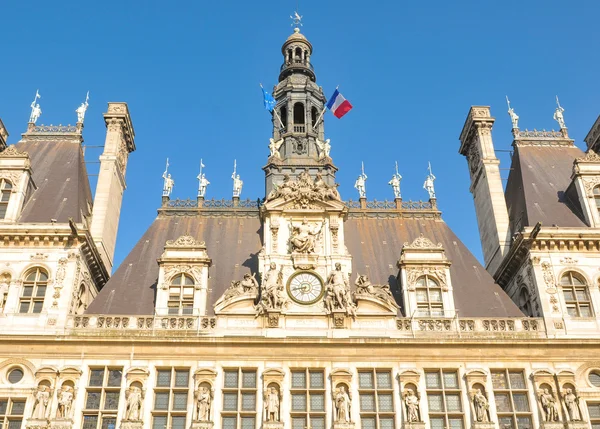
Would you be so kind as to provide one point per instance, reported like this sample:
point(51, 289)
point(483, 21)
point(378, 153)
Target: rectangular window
point(308, 398)
point(170, 398)
point(239, 398)
point(11, 412)
point(444, 399)
point(594, 413)
point(102, 398)
point(376, 403)
point(512, 404)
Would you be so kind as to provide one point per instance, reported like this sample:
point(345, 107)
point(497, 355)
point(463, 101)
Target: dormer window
point(576, 295)
point(429, 297)
point(5, 193)
point(181, 295)
point(34, 291)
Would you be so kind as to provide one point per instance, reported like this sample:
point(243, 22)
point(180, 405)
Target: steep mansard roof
point(233, 244)
point(537, 187)
point(60, 175)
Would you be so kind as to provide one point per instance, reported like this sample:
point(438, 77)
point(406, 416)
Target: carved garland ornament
point(550, 281)
point(59, 278)
point(173, 270)
point(422, 242)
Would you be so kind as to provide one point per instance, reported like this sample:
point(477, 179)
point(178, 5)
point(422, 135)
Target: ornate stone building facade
point(299, 310)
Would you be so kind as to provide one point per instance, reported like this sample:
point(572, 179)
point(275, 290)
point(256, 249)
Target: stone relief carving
point(571, 401)
point(4, 287)
point(568, 261)
point(473, 158)
point(337, 292)
point(590, 156)
point(299, 145)
point(13, 177)
point(134, 397)
point(272, 402)
point(59, 278)
point(324, 148)
point(364, 287)
point(422, 242)
point(12, 151)
point(185, 241)
point(204, 396)
point(304, 191)
point(550, 280)
point(274, 234)
point(414, 273)
point(173, 270)
point(247, 286)
point(590, 184)
point(65, 402)
point(549, 406)
point(481, 406)
point(411, 406)
point(304, 236)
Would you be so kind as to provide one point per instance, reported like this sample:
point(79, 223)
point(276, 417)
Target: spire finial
point(296, 21)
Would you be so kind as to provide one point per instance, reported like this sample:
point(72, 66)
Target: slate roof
point(233, 244)
point(537, 187)
point(63, 188)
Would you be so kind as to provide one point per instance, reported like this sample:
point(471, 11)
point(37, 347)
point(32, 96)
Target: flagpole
point(323, 112)
point(274, 110)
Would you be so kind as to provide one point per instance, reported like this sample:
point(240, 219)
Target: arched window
point(181, 295)
point(298, 55)
point(429, 297)
point(525, 302)
point(576, 294)
point(81, 302)
point(34, 291)
point(283, 116)
point(5, 192)
point(314, 114)
point(298, 113)
point(597, 197)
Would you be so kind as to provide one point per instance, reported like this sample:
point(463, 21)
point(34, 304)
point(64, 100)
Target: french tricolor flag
point(338, 104)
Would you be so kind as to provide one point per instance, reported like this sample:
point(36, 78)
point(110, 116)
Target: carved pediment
point(422, 242)
point(304, 193)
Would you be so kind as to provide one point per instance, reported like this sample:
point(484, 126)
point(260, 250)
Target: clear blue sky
point(190, 70)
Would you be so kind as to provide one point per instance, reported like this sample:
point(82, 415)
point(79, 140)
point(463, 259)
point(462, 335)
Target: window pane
point(178, 422)
point(24, 307)
point(421, 295)
point(368, 423)
point(161, 401)
point(582, 295)
point(435, 403)
point(435, 295)
point(114, 377)
point(506, 422)
point(163, 378)
point(317, 422)
point(524, 423)
point(180, 400)
point(577, 280)
point(455, 423)
point(15, 423)
point(384, 380)
point(572, 311)
point(432, 380)
point(229, 423)
point(298, 422)
point(182, 378)
point(595, 379)
point(111, 400)
point(386, 423)
point(503, 403)
point(249, 379)
point(37, 307)
point(585, 311)
point(298, 380)
point(28, 291)
point(109, 422)
point(188, 280)
point(90, 422)
point(521, 402)
point(43, 276)
point(248, 423)
point(3, 208)
point(3, 406)
point(298, 402)
point(18, 408)
point(385, 403)
point(159, 422)
point(365, 380)
point(230, 401)
point(96, 377)
point(569, 295)
point(516, 380)
point(40, 291)
point(367, 402)
point(317, 402)
point(93, 401)
point(594, 411)
point(437, 423)
point(453, 403)
point(14, 376)
point(317, 380)
point(248, 401)
point(450, 380)
point(499, 380)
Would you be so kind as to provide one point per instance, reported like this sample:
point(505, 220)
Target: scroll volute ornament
point(411, 399)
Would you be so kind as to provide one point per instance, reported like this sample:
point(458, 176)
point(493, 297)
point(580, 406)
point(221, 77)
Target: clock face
point(305, 287)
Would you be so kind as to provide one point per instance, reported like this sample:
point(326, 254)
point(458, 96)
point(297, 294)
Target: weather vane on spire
point(296, 20)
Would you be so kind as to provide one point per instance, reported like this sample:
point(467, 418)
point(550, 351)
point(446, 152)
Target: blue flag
point(268, 100)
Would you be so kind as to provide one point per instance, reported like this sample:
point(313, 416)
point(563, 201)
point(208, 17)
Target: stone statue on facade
point(272, 286)
point(168, 181)
point(513, 116)
point(558, 114)
point(247, 286)
point(272, 403)
point(42, 400)
point(411, 404)
point(364, 287)
point(4, 286)
point(237, 182)
point(65, 402)
point(82, 109)
point(361, 183)
point(324, 148)
point(395, 183)
point(304, 236)
point(342, 404)
point(36, 111)
point(133, 397)
point(428, 185)
point(202, 185)
point(204, 397)
point(274, 148)
point(572, 405)
point(549, 406)
point(338, 292)
point(481, 406)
